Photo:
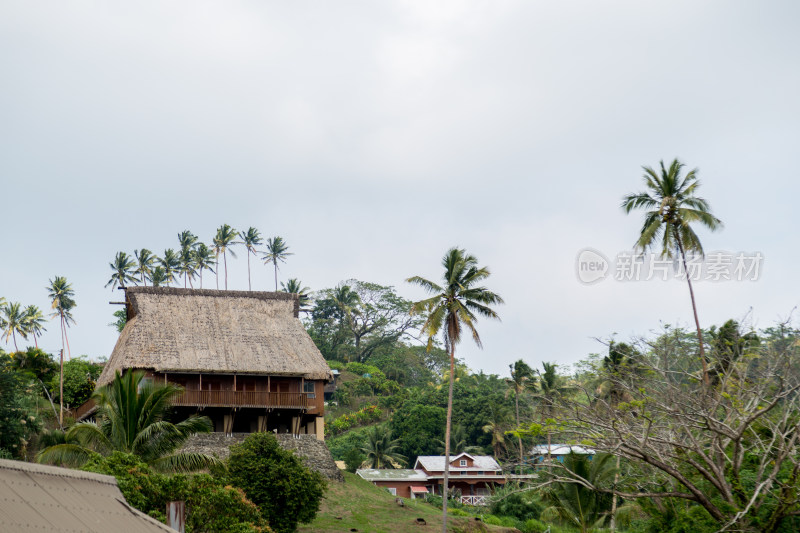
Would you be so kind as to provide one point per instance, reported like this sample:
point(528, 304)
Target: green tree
point(521, 377)
point(418, 427)
point(80, 375)
point(121, 316)
point(188, 265)
point(187, 242)
point(204, 260)
point(576, 503)
point(223, 243)
point(18, 420)
point(131, 418)
point(671, 207)
point(459, 442)
point(455, 306)
point(294, 286)
point(251, 238)
point(34, 322)
point(275, 479)
point(14, 321)
point(122, 270)
point(145, 262)
point(171, 263)
point(551, 388)
point(277, 252)
point(61, 295)
point(381, 450)
point(159, 277)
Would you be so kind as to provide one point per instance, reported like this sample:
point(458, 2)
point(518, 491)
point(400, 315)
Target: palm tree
point(576, 503)
point(671, 207)
point(159, 277)
point(145, 261)
point(223, 241)
point(381, 449)
point(203, 260)
point(277, 251)
point(188, 265)
point(187, 241)
point(294, 286)
point(171, 264)
point(122, 268)
point(131, 416)
point(521, 375)
point(453, 308)
point(61, 296)
point(14, 322)
point(250, 239)
point(551, 387)
point(458, 442)
point(34, 322)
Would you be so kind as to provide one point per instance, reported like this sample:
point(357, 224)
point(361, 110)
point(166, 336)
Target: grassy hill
point(358, 505)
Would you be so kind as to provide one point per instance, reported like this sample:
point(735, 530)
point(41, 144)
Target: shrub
point(533, 526)
point(210, 506)
point(286, 492)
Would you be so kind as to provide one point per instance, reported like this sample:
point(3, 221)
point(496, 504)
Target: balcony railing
point(473, 500)
point(230, 398)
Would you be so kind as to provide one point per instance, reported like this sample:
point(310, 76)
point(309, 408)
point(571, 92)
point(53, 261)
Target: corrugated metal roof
point(36, 497)
point(391, 474)
point(435, 463)
point(561, 449)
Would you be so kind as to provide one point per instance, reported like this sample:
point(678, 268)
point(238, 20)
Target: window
point(463, 462)
point(308, 388)
point(392, 491)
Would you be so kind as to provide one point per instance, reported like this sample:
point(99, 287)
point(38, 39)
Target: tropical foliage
point(131, 418)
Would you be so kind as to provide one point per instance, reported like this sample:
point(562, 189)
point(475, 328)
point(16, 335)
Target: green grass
point(359, 505)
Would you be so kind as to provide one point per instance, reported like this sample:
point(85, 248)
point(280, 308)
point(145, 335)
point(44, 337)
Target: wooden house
point(243, 358)
point(473, 476)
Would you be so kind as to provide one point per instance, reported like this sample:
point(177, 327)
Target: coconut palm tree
point(171, 263)
point(521, 377)
point(277, 251)
point(203, 260)
point(454, 306)
point(250, 239)
point(223, 243)
point(14, 322)
point(188, 265)
point(575, 502)
point(381, 449)
point(122, 269)
point(145, 262)
point(61, 296)
point(187, 239)
point(458, 442)
point(34, 322)
point(671, 207)
point(159, 277)
point(294, 286)
point(131, 418)
point(551, 386)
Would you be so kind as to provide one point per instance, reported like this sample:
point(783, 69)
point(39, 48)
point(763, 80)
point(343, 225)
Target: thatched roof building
point(210, 331)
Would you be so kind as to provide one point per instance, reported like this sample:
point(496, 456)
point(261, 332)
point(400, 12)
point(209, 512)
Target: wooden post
point(176, 516)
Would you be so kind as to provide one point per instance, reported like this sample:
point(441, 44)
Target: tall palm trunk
point(276, 275)
point(216, 270)
point(694, 310)
point(249, 286)
point(61, 376)
point(446, 480)
point(225, 260)
point(14, 336)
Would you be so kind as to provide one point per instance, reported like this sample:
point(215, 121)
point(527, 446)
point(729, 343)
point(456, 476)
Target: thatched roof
point(209, 331)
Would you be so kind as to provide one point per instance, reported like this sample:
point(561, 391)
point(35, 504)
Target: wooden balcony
point(230, 398)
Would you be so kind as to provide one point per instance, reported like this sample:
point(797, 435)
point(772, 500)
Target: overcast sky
point(373, 136)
